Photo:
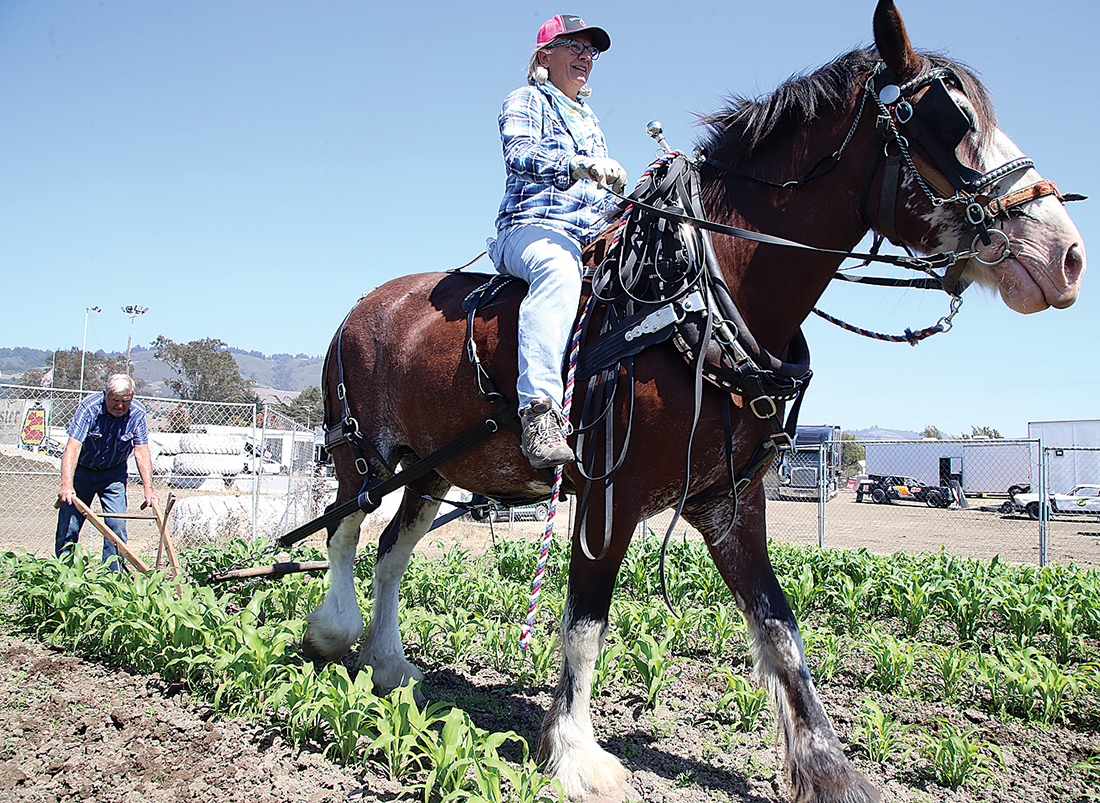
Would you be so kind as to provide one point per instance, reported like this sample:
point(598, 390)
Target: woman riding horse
point(401, 357)
point(555, 203)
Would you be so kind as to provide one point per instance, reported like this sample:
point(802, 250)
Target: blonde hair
point(537, 74)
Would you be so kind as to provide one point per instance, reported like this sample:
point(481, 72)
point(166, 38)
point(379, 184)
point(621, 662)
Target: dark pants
point(110, 485)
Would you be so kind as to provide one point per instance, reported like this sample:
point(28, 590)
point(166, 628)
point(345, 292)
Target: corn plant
point(610, 668)
point(849, 598)
point(799, 589)
point(403, 740)
point(1052, 688)
point(743, 702)
point(881, 736)
point(1021, 608)
point(1064, 617)
point(347, 710)
point(653, 662)
point(951, 664)
point(457, 629)
point(913, 597)
point(893, 660)
point(954, 757)
point(298, 688)
point(723, 630)
point(537, 659)
point(966, 599)
point(827, 651)
point(992, 676)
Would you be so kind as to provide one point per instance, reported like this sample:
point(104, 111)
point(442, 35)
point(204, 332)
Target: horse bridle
point(935, 121)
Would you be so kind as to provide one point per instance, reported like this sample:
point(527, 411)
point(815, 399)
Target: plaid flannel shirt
point(539, 189)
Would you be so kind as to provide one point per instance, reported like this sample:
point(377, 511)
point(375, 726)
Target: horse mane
point(744, 126)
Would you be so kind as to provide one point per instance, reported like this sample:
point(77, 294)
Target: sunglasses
point(576, 48)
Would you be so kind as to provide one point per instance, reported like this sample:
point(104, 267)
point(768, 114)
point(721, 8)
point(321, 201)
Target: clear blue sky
point(248, 169)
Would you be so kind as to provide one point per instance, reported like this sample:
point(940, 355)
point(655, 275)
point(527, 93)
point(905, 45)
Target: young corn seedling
point(892, 659)
point(652, 662)
point(825, 653)
point(966, 601)
point(954, 756)
point(799, 588)
point(1064, 617)
point(951, 664)
point(913, 597)
point(404, 738)
point(881, 736)
point(743, 702)
point(849, 600)
point(609, 667)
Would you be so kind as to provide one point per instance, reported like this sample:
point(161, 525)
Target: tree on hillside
point(976, 431)
point(206, 371)
point(66, 370)
point(850, 453)
point(932, 432)
point(305, 408)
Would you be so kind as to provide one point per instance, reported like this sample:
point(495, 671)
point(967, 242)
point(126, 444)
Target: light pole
point(84, 343)
point(133, 310)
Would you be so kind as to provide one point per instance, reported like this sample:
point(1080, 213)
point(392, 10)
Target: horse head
point(961, 169)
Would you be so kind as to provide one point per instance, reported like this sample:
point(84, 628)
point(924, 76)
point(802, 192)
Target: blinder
point(940, 126)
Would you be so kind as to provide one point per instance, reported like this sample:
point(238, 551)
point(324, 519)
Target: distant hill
point(282, 374)
point(877, 433)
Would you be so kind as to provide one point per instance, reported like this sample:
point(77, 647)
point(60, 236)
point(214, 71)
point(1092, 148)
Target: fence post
point(1044, 511)
point(257, 476)
point(822, 490)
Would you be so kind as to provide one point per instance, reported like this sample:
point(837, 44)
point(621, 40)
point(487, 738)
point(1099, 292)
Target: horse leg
point(567, 745)
point(337, 623)
point(817, 769)
point(381, 647)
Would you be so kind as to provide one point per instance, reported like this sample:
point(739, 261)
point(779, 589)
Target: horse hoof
point(591, 775)
point(392, 674)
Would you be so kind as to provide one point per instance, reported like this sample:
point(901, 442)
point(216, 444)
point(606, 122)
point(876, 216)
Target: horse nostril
point(1074, 263)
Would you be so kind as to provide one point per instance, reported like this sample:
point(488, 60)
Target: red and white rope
point(548, 533)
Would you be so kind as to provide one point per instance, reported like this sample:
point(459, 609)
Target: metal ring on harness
point(1004, 253)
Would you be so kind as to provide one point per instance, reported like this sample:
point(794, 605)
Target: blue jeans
point(110, 486)
point(550, 262)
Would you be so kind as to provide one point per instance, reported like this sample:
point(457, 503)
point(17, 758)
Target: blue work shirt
point(539, 189)
point(107, 441)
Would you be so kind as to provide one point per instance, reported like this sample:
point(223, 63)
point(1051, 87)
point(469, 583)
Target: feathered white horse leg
point(381, 648)
point(337, 623)
point(567, 745)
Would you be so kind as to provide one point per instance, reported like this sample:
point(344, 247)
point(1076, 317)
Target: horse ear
point(893, 43)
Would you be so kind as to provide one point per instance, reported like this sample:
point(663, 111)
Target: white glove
point(605, 172)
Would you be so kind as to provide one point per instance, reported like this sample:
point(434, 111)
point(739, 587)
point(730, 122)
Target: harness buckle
point(768, 406)
point(782, 441)
point(975, 214)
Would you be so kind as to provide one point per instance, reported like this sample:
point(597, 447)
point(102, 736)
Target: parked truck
point(816, 449)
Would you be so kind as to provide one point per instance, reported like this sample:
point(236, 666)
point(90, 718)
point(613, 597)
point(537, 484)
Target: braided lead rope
point(548, 534)
point(910, 337)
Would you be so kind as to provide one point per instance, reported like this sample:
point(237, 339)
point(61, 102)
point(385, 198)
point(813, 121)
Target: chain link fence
point(239, 471)
point(233, 470)
point(974, 497)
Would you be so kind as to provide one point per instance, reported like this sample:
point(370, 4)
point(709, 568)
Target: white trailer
point(1071, 453)
point(980, 465)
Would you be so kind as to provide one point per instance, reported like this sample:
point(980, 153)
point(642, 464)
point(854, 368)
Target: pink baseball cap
point(567, 23)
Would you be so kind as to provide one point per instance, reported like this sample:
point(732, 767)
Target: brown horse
point(411, 388)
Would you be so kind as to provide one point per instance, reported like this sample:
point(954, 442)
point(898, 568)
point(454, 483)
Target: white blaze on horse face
point(1046, 255)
